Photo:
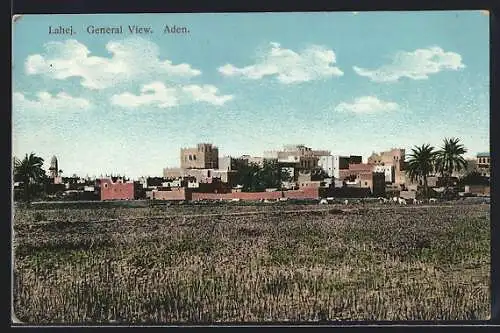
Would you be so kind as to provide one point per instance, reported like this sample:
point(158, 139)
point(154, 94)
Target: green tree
point(450, 158)
point(256, 178)
point(30, 172)
point(421, 164)
point(272, 175)
point(248, 177)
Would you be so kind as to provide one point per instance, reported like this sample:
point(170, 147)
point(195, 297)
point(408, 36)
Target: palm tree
point(30, 172)
point(449, 159)
point(421, 164)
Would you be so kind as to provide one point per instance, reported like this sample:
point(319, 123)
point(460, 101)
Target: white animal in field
point(235, 199)
point(323, 202)
point(401, 201)
point(266, 201)
point(346, 202)
point(432, 200)
point(382, 200)
point(395, 199)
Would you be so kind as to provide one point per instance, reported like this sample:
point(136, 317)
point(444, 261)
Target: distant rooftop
point(483, 154)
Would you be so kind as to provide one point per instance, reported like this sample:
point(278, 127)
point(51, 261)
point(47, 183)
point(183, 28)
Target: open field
point(252, 263)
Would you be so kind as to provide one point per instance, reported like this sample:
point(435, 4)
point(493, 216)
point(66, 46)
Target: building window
point(190, 157)
point(194, 157)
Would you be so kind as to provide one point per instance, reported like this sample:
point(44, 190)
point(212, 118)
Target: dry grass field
point(220, 264)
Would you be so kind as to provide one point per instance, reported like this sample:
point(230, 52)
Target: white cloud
point(47, 102)
point(416, 65)
point(288, 66)
point(130, 59)
point(159, 95)
point(367, 105)
point(206, 93)
point(151, 94)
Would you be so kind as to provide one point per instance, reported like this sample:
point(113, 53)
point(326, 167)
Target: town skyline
point(47, 160)
point(344, 82)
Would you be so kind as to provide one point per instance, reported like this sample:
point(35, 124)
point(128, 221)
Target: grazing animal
point(432, 200)
point(346, 202)
point(395, 199)
point(401, 201)
point(382, 200)
point(323, 202)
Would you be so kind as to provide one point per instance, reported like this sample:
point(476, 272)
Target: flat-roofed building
point(483, 163)
point(203, 156)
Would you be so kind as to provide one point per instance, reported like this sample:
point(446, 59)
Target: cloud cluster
point(367, 105)
point(416, 65)
point(288, 66)
point(131, 59)
point(138, 61)
point(47, 102)
point(157, 94)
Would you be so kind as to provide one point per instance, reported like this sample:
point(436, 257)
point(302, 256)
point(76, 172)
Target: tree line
point(426, 160)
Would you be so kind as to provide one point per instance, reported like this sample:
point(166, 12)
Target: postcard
point(251, 167)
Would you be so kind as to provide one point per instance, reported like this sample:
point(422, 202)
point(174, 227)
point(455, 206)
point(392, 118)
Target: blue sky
point(352, 83)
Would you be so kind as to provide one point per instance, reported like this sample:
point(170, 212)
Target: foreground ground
point(232, 263)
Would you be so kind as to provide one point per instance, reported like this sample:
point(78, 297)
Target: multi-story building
point(353, 170)
point(203, 156)
point(229, 163)
point(483, 163)
point(226, 163)
point(388, 171)
point(298, 156)
point(365, 175)
point(375, 181)
point(253, 159)
point(173, 173)
point(342, 163)
point(326, 162)
point(394, 157)
point(114, 188)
